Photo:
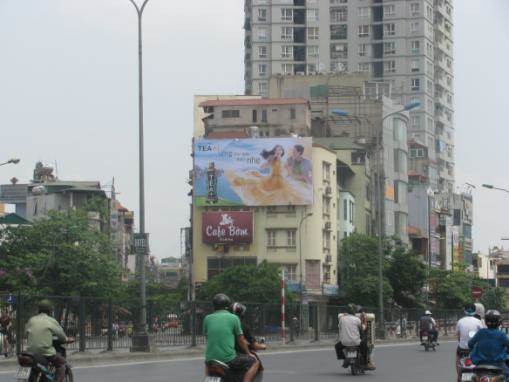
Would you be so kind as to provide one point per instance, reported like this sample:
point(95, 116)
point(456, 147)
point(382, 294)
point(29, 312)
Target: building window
point(286, 51)
point(389, 10)
point(390, 47)
point(326, 240)
point(415, 121)
point(415, 47)
point(400, 192)
point(338, 32)
point(339, 51)
point(414, 9)
point(414, 65)
point(326, 206)
point(338, 15)
point(313, 51)
point(292, 113)
point(255, 116)
point(399, 133)
point(216, 265)
point(262, 34)
point(326, 274)
point(414, 26)
point(262, 51)
point(351, 211)
point(363, 30)
point(312, 15)
point(345, 210)
point(429, 12)
point(287, 34)
point(365, 12)
point(389, 30)
point(286, 14)
point(417, 152)
point(230, 113)
point(262, 14)
point(364, 50)
point(262, 70)
point(336, 2)
point(400, 222)
point(290, 237)
point(311, 68)
point(313, 33)
point(326, 171)
point(262, 87)
point(400, 161)
point(365, 67)
point(271, 238)
point(287, 68)
point(390, 66)
point(264, 116)
point(416, 84)
point(290, 271)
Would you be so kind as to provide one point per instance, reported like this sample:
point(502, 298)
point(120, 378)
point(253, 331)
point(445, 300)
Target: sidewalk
point(94, 359)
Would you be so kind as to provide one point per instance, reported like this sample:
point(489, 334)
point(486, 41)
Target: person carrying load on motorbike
point(465, 329)
point(350, 327)
point(40, 330)
point(490, 345)
point(364, 348)
point(223, 331)
point(428, 325)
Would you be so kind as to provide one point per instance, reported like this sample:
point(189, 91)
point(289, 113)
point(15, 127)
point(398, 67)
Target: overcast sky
point(68, 95)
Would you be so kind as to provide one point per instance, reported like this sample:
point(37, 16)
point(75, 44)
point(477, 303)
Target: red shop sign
point(234, 227)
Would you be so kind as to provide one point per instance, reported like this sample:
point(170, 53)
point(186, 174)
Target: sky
point(68, 96)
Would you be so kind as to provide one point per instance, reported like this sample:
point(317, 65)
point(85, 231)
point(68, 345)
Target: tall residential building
point(405, 43)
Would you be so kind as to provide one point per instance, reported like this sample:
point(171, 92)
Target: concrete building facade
point(405, 44)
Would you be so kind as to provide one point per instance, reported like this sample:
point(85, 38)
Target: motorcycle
point(466, 367)
point(218, 371)
point(353, 359)
point(33, 368)
point(488, 373)
point(427, 342)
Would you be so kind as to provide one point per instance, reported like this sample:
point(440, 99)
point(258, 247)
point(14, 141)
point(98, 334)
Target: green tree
point(407, 275)
point(247, 283)
point(58, 255)
point(494, 298)
point(360, 274)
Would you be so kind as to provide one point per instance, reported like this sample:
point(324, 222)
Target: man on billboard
point(299, 167)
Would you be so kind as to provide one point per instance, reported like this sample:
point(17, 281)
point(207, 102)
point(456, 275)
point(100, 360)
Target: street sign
point(476, 292)
point(140, 241)
point(10, 299)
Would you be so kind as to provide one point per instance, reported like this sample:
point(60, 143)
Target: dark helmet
point(45, 306)
point(470, 309)
point(239, 309)
point(221, 301)
point(351, 309)
point(493, 319)
point(359, 309)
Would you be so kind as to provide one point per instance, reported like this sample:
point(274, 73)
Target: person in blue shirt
point(490, 345)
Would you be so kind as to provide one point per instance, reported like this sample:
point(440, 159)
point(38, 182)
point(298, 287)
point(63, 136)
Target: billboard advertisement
point(227, 227)
point(253, 172)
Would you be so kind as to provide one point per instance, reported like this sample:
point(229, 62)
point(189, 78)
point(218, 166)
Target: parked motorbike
point(33, 368)
point(353, 360)
point(428, 343)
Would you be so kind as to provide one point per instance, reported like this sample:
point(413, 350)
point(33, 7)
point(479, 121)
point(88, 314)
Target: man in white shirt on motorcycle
point(465, 330)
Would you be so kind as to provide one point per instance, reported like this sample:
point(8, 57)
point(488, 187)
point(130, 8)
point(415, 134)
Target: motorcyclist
point(5, 330)
point(40, 330)
point(350, 327)
point(240, 310)
point(490, 345)
point(464, 329)
point(364, 348)
point(428, 325)
point(223, 331)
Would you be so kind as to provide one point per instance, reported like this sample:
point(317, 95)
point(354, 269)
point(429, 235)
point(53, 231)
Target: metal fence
point(106, 325)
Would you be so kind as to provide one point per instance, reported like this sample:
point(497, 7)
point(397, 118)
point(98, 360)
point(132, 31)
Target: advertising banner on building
point(253, 172)
point(227, 227)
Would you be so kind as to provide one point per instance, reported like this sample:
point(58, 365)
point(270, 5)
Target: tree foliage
point(247, 283)
point(58, 255)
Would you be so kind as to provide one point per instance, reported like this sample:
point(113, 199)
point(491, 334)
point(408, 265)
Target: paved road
point(399, 362)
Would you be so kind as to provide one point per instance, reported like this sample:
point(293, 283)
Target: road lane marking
point(198, 358)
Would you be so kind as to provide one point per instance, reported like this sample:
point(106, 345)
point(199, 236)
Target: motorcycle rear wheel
point(69, 377)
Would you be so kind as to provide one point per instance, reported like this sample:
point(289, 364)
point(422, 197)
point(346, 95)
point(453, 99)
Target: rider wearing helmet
point(223, 331)
point(490, 344)
point(428, 325)
point(364, 348)
point(240, 310)
point(464, 329)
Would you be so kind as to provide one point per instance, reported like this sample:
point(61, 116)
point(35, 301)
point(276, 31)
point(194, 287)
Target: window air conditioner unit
point(328, 259)
point(328, 226)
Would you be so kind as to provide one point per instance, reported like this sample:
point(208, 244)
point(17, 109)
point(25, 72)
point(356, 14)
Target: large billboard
point(227, 227)
point(253, 172)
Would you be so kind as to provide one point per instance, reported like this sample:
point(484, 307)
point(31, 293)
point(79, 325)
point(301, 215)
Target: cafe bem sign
point(227, 227)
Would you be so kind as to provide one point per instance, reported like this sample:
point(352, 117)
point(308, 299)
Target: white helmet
point(428, 313)
point(479, 310)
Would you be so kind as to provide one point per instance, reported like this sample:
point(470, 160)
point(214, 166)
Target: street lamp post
point(11, 161)
point(301, 286)
point(492, 187)
point(141, 340)
point(379, 203)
